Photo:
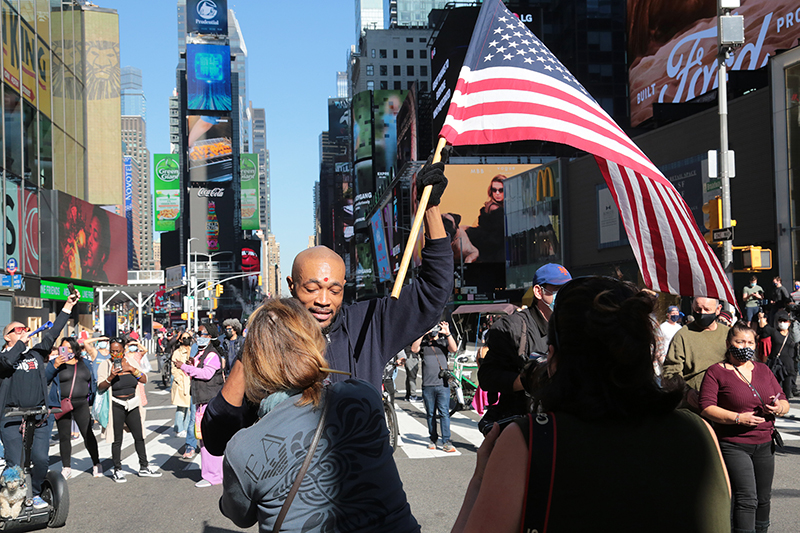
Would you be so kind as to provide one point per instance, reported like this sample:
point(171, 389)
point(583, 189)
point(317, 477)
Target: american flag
point(513, 88)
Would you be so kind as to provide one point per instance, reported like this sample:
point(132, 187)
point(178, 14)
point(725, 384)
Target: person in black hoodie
point(23, 384)
point(361, 337)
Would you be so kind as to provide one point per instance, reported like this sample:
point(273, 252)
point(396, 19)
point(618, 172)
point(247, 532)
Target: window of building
point(384, 70)
point(409, 85)
point(409, 54)
point(370, 85)
point(396, 70)
point(423, 54)
point(373, 53)
point(423, 40)
point(397, 86)
point(384, 85)
point(423, 70)
point(382, 54)
point(409, 39)
point(394, 54)
point(423, 86)
point(370, 70)
point(409, 70)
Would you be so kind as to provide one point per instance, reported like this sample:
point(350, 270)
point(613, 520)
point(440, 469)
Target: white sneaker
point(97, 471)
point(118, 476)
point(66, 472)
point(181, 435)
point(202, 483)
point(149, 471)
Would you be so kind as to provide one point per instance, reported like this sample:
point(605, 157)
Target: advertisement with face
point(210, 150)
point(387, 106)
point(22, 226)
point(208, 77)
point(672, 50)
point(167, 191)
point(207, 16)
point(249, 191)
point(473, 210)
point(84, 236)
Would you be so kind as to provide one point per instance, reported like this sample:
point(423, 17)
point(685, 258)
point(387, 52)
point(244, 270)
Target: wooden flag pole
point(415, 227)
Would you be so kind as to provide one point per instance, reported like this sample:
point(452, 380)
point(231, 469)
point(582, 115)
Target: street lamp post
point(261, 235)
point(193, 308)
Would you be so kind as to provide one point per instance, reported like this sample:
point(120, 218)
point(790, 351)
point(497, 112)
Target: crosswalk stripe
point(414, 438)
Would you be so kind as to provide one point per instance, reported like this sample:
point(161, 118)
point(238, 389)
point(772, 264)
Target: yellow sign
point(10, 47)
point(545, 184)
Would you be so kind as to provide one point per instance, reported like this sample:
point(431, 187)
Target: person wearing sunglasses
point(180, 394)
point(23, 383)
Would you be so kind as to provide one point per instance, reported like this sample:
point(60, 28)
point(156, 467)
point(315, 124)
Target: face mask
point(186, 342)
point(742, 354)
point(674, 318)
point(703, 320)
point(783, 326)
point(552, 304)
point(202, 342)
point(752, 284)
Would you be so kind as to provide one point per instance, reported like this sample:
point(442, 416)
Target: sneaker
point(118, 476)
point(39, 503)
point(431, 445)
point(97, 471)
point(149, 471)
point(76, 436)
point(202, 484)
point(181, 435)
point(189, 453)
point(2, 463)
point(449, 448)
point(66, 472)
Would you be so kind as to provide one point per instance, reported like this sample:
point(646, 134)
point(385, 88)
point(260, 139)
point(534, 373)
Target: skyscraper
point(369, 16)
point(239, 66)
point(134, 102)
point(260, 148)
point(134, 145)
point(409, 13)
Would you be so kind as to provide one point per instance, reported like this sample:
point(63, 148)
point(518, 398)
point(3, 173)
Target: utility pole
point(730, 35)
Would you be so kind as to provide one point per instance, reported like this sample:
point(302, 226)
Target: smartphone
point(64, 352)
point(503, 422)
point(118, 364)
point(71, 288)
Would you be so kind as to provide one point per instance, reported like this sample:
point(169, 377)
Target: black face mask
point(186, 342)
point(703, 320)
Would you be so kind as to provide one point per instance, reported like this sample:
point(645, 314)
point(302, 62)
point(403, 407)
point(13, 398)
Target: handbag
point(776, 364)
point(101, 407)
point(302, 472)
point(66, 403)
point(777, 440)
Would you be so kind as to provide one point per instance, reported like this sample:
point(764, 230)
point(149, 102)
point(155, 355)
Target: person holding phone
point(23, 383)
point(122, 375)
point(76, 381)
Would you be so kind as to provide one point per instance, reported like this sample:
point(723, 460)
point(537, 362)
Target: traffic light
point(751, 259)
point(219, 290)
point(713, 208)
point(213, 303)
point(184, 316)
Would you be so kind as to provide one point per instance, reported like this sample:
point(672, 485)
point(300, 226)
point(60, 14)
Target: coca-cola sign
point(217, 192)
point(672, 47)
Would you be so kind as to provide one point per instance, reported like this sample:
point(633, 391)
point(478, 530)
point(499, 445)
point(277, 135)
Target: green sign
point(249, 180)
point(168, 191)
point(53, 290)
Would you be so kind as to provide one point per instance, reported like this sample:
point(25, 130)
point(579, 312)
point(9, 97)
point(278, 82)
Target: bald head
point(317, 280)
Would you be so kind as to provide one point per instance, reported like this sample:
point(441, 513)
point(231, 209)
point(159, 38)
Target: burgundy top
point(724, 388)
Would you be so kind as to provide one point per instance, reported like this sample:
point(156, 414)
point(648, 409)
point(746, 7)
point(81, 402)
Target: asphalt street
point(434, 481)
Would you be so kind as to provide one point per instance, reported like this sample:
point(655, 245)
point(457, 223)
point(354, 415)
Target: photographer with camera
point(434, 346)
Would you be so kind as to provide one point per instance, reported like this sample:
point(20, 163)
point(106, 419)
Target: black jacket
point(363, 337)
point(503, 362)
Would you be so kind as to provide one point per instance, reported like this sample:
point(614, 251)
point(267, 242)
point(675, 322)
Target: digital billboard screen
point(248, 173)
point(211, 220)
point(167, 191)
point(208, 77)
point(210, 149)
point(207, 16)
point(85, 242)
point(672, 52)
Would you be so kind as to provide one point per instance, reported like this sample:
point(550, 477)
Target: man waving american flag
point(512, 88)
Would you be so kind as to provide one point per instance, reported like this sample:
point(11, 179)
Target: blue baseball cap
point(551, 274)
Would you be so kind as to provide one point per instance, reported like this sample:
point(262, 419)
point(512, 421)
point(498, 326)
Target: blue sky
point(293, 56)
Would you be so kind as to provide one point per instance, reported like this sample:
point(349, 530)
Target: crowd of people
point(585, 383)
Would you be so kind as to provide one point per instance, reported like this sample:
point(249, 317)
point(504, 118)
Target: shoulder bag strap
point(782, 345)
point(523, 345)
point(751, 387)
point(541, 474)
point(74, 375)
point(299, 479)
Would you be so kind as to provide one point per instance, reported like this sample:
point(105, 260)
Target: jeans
point(437, 399)
point(750, 313)
point(750, 467)
point(40, 456)
point(181, 419)
point(191, 440)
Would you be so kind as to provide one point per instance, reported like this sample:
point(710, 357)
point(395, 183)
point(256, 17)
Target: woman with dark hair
point(76, 381)
point(121, 374)
point(351, 483)
point(742, 398)
point(602, 417)
point(205, 371)
point(484, 241)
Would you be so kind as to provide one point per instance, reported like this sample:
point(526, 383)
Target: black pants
point(789, 385)
point(751, 468)
point(83, 418)
point(134, 422)
point(12, 440)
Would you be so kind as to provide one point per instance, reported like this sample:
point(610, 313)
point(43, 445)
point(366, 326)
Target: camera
point(503, 422)
point(445, 374)
point(435, 331)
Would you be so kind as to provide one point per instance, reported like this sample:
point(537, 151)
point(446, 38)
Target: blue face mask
point(202, 342)
point(552, 304)
point(103, 345)
point(674, 318)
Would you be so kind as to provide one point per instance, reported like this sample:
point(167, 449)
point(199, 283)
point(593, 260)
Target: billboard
point(210, 150)
point(127, 165)
point(387, 105)
point(672, 54)
point(21, 235)
point(338, 120)
point(207, 16)
point(249, 185)
point(211, 215)
point(167, 183)
point(208, 77)
point(10, 47)
point(84, 242)
point(472, 209)
point(379, 246)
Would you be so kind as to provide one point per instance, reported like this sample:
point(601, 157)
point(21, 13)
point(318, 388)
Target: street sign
point(11, 266)
point(722, 234)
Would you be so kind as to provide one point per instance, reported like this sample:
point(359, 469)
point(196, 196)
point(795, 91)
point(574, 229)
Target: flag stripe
point(512, 88)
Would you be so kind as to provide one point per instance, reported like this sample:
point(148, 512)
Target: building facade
point(391, 59)
point(134, 139)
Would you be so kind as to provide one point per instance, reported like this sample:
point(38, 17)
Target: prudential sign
point(207, 16)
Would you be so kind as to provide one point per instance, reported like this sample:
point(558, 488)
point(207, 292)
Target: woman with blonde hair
point(334, 434)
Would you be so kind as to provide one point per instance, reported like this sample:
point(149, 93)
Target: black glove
point(432, 174)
